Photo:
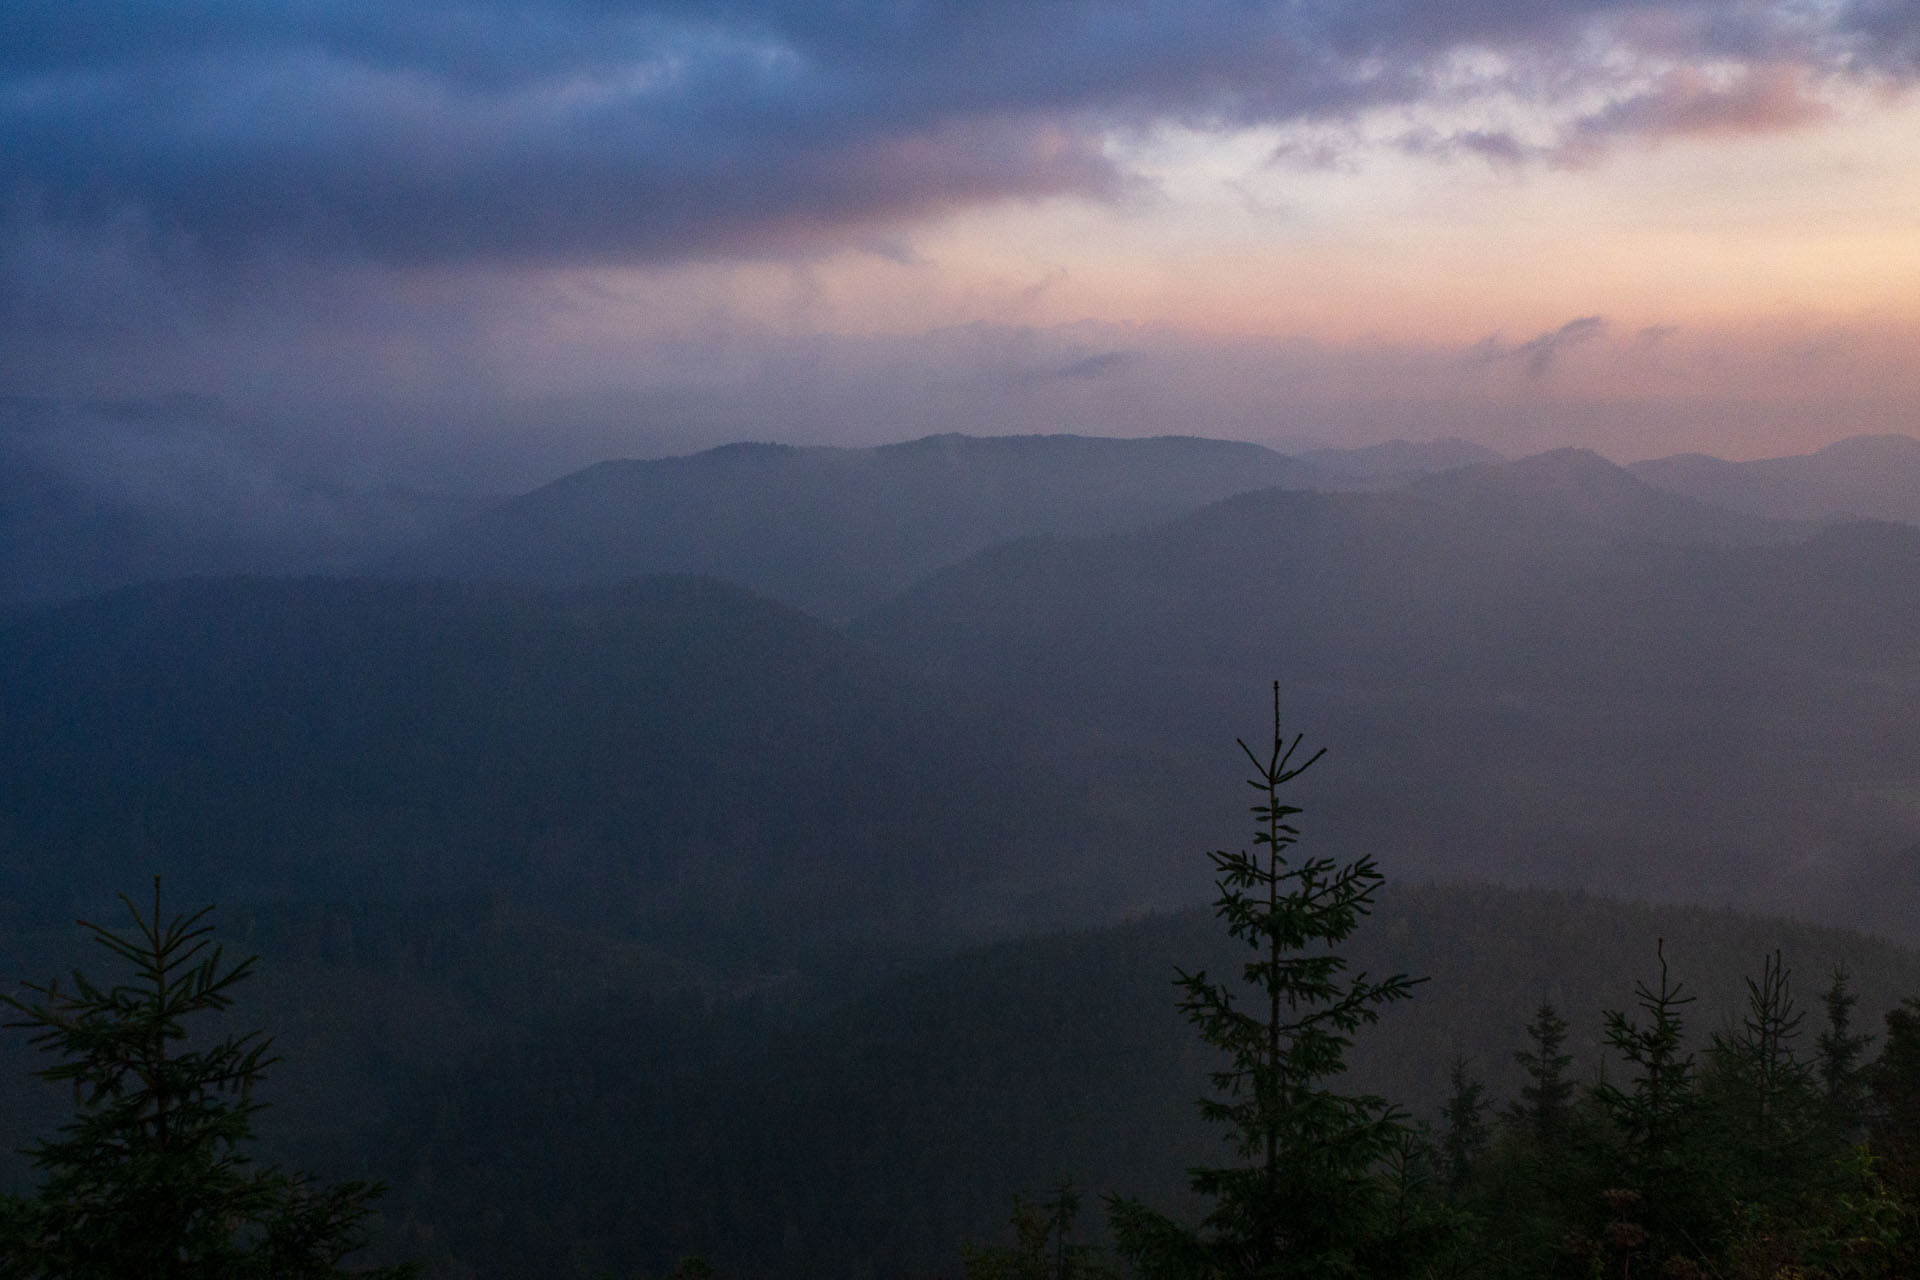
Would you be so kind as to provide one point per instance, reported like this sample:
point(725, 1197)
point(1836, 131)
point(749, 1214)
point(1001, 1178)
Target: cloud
point(413, 132)
point(1688, 101)
point(1496, 145)
point(1538, 355)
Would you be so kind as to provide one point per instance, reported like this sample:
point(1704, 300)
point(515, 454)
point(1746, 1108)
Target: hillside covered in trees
point(612, 922)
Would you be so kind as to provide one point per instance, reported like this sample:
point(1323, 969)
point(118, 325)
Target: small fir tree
point(1893, 1132)
point(151, 1179)
point(1547, 1096)
point(1466, 1136)
point(1765, 1097)
point(1840, 1056)
point(1043, 1248)
point(1661, 1158)
point(1314, 1196)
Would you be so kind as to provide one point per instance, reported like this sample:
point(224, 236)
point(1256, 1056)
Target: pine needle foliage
point(1840, 1062)
point(1313, 1195)
point(1043, 1249)
point(1466, 1135)
point(151, 1179)
point(1766, 1098)
point(1662, 1162)
point(1547, 1097)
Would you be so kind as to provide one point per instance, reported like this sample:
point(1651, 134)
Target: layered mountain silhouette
point(1395, 462)
point(1538, 671)
point(1544, 670)
point(1571, 492)
point(1864, 477)
point(835, 531)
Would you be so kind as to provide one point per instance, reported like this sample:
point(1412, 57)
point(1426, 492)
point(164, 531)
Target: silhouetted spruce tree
point(1464, 1140)
point(1547, 1096)
point(1893, 1132)
point(1764, 1097)
point(1894, 1080)
point(1313, 1198)
point(150, 1180)
point(1042, 1249)
point(1840, 1056)
point(1661, 1158)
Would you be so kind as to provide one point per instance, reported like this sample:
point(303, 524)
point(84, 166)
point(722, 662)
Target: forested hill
point(664, 748)
point(835, 531)
point(877, 1137)
point(1559, 698)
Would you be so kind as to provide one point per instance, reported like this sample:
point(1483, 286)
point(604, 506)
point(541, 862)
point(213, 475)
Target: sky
point(479, 244)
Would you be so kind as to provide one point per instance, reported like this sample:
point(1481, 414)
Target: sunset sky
point(492, 241)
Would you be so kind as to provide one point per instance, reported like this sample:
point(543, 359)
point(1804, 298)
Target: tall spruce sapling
point(1547, 1096)
point(1466, 1135)
point(1313, 1196)
point(1893, 1081)
point(1765, 1095)
point(1662, 1158)
point(151, 1178)
point(1043, 1248)
point(1840, 1058)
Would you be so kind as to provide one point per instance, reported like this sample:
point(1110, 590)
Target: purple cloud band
point(593, 130)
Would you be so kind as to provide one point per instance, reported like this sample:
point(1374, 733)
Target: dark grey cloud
point(1538, 355)
point(406, 132)
point(1541, 352)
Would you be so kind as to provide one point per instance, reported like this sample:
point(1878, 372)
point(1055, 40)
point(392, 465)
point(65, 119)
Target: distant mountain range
point(570, 873)
point(831, 531)
point(1550, 669)
point(836, 531)
point(1863, 478)
point(1539, 671)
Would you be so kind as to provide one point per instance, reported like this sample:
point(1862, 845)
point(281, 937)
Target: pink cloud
point(1689, 102)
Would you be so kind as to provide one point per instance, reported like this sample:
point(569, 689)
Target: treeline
point(1778, 1150)
point(1784, 1150)
point(1758, 1157)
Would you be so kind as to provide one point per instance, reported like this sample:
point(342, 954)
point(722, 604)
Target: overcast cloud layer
point(590, 131)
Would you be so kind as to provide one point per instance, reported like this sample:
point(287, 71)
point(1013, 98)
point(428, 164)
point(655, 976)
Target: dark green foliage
point(1764, 1097)
point(1043, 1249)
point(1843, 1082)
point(1730, 1165)
point(1894, 1081)
point(1311, 1197)
point(1467, 1133)
point(873, 1114)
point(1656, 1129)
point(1547, 1096)
point(151, 1178)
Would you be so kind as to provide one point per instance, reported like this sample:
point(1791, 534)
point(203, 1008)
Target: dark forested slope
point(670, 747)
point(877, 1137)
